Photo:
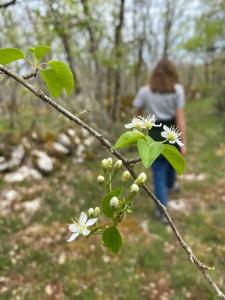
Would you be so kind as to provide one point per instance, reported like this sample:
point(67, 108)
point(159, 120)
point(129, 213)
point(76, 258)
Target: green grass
point(34, 253)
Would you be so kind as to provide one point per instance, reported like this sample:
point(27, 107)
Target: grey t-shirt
point(163, 106)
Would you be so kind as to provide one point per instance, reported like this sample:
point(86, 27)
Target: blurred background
point(48, 166)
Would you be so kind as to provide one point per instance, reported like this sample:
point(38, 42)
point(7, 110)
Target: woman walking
point(164, 98)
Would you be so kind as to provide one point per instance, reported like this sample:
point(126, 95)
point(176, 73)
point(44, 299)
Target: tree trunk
point(117, 74)
point(93, 51)
point(66, 44)
point(167, 28)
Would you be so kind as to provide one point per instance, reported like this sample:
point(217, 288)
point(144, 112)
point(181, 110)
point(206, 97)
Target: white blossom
point(81, 227)
point(136, 123)
point(149, 122)
point(172, 135)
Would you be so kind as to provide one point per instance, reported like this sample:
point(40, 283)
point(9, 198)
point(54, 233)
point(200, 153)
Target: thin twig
point(31, 75)
point(40, 94)
point(7, 4)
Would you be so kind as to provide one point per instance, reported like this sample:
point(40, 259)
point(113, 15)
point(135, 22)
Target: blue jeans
point(164, 178)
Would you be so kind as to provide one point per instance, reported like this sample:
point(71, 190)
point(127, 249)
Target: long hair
point(164, 77)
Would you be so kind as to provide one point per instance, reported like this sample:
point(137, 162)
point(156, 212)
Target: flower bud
point(118, 164)
point(126, 176)
point(141, 178)
point(109, 162)
point(104, 163)
point(114, 202)
point(91, 212)
point(97, 211)
point(134, 189)
point(100, 179)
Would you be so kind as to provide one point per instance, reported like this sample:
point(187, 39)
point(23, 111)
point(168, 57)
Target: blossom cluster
point(118, 202)
point(172, 134)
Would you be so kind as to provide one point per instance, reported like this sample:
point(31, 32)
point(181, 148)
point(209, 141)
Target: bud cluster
point(94, 212)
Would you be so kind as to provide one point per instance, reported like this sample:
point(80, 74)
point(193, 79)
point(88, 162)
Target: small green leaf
point(8, 55)
point(149, 139)
point(106, 208)
point(149, 151)
point(112, 239)
point(64, 74)
point(174, 158)
point(39, 51)
point(129, 138)
point(57, 78)
point(51, 79)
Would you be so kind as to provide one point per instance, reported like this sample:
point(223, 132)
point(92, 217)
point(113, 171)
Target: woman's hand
point(183, 150)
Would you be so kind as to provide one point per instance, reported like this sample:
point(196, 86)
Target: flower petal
point(86, 232)
point(73, 237)
point(83, 218)
point(73, 228)
point(167, 129)
point(164, 134)
point(128, 126)
point(172, 141)
point(91, 222)
point(179, 143)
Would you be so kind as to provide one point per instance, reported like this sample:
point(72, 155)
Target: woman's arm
point(180, 122)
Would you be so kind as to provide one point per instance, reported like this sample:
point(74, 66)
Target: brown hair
point(164, 77)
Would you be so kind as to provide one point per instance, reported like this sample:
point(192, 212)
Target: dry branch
point(7, 4)
point(127, 164)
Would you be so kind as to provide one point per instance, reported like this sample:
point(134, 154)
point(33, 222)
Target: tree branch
point(7, 4)
point(40, 94)
point(30, 75)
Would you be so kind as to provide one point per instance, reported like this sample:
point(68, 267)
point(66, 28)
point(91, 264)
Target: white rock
point(179, 205)
point(32, 206)
point(15, 160)
point(44, 162)
point(10, 195)
point(71, 132)
point(18, 153)
point(21, 174)
point(2, 159)
point(194, 177)
point(60, 148)
point(77, 140)
point(80, 150)
point(64, 140)
point(89, 141)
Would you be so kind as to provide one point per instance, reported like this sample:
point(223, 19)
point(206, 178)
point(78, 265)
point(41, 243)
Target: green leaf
point(51, 79)
point(57, 78)
point(106, 208)
point(149, 151)
point(8, 55)
point(64, 74)
point(129, 138)
point(174, 158)
point(39, 51)
point(112, 239)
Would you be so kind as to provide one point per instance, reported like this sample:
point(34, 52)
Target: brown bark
point(93, 51)
point(117, 74)
point(167, 27)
